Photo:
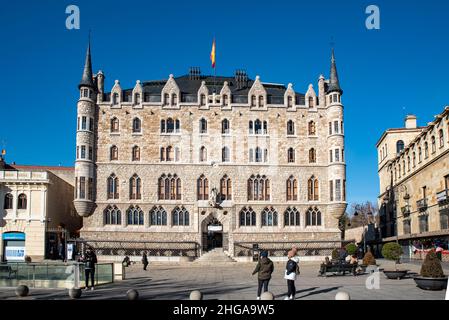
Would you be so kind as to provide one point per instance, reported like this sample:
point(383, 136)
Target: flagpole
point(215, 66)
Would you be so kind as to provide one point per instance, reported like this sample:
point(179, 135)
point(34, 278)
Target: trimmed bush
point(392, 251)
point(431, 266)
point(351, 248)
point(368, 259)
point(335, 254)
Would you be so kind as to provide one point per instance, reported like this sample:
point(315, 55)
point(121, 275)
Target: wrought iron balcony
point(443, 197)
point(405, 210)
point(422, 205)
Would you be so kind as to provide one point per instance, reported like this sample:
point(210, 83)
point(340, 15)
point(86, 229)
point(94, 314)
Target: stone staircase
point(215, 256)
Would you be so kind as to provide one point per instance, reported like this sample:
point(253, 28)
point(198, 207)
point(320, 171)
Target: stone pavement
point(233, 281)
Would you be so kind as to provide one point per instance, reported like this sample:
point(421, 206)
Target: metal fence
point(280, 249)
point(136, 248)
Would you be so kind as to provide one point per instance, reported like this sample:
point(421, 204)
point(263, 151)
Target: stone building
point(37, 213)
point(414, 181)
point(217, 161)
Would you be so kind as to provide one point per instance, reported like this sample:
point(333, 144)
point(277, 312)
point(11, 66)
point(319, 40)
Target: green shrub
point(392, 251)
point(335, 254)
point(431, 266)
point(368, 259)
point(351, 248)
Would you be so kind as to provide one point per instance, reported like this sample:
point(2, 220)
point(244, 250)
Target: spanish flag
point(212, 54)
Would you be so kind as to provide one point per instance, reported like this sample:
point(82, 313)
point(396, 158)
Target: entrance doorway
point(214, 240)
point(212, 235)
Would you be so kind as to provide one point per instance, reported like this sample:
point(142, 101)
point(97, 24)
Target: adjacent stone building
point(414, 182)
point(217, 161)
point(37, 214)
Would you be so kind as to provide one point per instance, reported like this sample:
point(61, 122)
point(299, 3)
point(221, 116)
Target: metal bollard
point(267, 296)
point(196, 295)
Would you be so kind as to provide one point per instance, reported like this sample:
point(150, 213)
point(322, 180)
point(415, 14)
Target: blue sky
point(401, 68)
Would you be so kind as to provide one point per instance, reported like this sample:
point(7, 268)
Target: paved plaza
point(233, 281)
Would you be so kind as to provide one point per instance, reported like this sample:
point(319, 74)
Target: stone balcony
point(443, 197)
point(422, 205)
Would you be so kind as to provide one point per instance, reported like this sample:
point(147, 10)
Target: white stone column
point(15, 194)
point(28, 194)
point(43, 205)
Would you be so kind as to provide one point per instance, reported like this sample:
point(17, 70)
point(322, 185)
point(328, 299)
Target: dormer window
point(311, 102)
point(174, 99)
point(289, 102)
point(166, 99)
point(202, 100)
point(261, 101)
point(253, 101)
point(115, 98)
point(137, 98)
point(225, 100)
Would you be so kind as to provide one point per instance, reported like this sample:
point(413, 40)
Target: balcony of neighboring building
point(422, 205)
point(443, 197)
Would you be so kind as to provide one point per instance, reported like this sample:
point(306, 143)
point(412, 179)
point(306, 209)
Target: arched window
point(291, 155)
point(225, 156)
point(408, 163)
point(289, 101)
point(269, 217)
point(22, 201)
point(112, 215)
point(169, 187)
point(8, 201)
point(312, 128)
point(403, 166)
point(203, 154)
point(158, 216)
point(135, 187)
point(134, 216)
point(292, 189)
point(426, 150)
point(137, 125)
point(113, 187)
point(136, 153)
point(170, 125)
point(202, 99)
point(180, 216)
point(292, 217)
point(163, 127)
point(225, 126)
point(414, 159)
point(441, 138)
point(203, 125)
point(225, 100)
point(174, 99)
point(434, 146)
point(169, 153)
point(253, 101)
point(225, 188)
point(399, 146)
point(258, 155)
point(258, 188)
point(419, 155)
point(261, 102)
point(166, 99)
point(251, 127)
point(311, 102)
point(115, 125)
point(202, 188)
point(312, 156)
point(247, 217)
point(137, 98)
point(313, 217)
point(312, 189)
point(115, 98)
point(290, 128)
point(114, 153)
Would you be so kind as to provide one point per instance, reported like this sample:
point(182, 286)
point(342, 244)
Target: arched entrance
point(212, 233)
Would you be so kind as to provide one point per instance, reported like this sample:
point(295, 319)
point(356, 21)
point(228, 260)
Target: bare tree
point(362, 213)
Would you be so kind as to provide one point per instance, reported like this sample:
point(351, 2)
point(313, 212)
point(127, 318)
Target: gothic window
point(290, 128)
point(253, 101)
point(313, 217)
point(289, 102)
point(158, 216)
point(134, 216)
point(291, 217)
point(203, 100)
point(166, 99)
point(225, 156)
point(203, 126)
point(312, 128)
point(83, 123)
point(22, 201)
point(408, 163)
point(203, 188)
point(426, 150)
point(115, 125)
point(225, 188)
point(247, 217)
point(434, 146)
point(258, 188)
point(115, 98)
point(225, 126)
point(399, 146)
point(83, 152)
point(114, 153)
point(338, 190)
point(311, 102)
point(112, 215)
point(137, 125)
point(336, 126)
point(137, 98)
point(225, 100)
point(331, 159)
point(203, 154)
point(170, 125)
point(291, 155)
point(292, 189)
point(312, 189)
point(113, 187)
point(261, 101)
point(136, 153)
point(8, 201)
point(312, 156)
point(180, 216)
point(269, 217)
point(441, 138)
point(174, 99)
point(135, 187)
point(169, 187)
point(419, 155)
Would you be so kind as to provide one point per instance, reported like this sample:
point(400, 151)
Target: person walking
point(291, 271)
point(90, 259)
point(144, 260)
point(264, 269)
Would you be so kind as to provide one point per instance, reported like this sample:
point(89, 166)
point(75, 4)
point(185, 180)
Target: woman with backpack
point(264, 269)
point(291, 270)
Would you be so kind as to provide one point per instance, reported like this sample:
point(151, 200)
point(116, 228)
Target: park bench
point(338, 269)
point(7, 269)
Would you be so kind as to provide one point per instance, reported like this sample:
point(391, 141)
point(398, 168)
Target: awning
point(13, 236)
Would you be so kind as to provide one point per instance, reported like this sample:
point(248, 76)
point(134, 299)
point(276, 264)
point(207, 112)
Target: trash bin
point(255, 252)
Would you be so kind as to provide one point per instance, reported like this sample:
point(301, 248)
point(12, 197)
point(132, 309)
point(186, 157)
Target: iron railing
point(443, 197)
point(422, 205)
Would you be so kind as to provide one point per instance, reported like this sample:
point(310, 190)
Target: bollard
point(267, 296)
point(196, 295)
point(341, 295)
point(447, 291)
point(75, 293)
point(22, 291)
point(132, 294)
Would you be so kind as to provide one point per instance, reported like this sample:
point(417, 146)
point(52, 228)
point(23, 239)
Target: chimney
point(241, 78)
point(410, 122)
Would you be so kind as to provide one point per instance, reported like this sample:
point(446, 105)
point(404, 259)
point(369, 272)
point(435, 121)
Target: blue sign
point(13, 236)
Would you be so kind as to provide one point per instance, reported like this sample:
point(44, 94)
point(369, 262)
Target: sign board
point(214, 228)
point(13, 236)
point(15, 253)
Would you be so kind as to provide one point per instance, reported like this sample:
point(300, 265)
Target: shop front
point(13, 246)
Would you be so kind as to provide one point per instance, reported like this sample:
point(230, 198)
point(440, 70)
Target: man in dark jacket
point(89, 259)
point(264, 269)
